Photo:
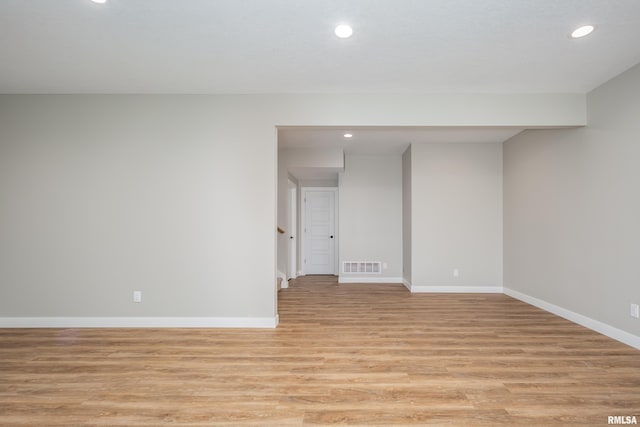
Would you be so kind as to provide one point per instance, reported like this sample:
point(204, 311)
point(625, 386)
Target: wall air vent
point(366, 267)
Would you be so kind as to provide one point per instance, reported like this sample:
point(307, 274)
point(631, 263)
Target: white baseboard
point(407, 284)
point(456, 289)
point(283, 282)
point(353, 279)
point(587, 322)
point(139, 322)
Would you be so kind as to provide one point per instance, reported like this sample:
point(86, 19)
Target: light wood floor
point(348, 354)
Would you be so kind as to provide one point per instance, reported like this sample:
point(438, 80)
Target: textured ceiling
point(287, 46)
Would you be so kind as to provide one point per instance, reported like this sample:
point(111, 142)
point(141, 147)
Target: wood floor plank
point(343, 354)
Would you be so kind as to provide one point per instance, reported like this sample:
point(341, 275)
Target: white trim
point(407, 284)
point(587, 322)
point(457, 289)
point(292, 237)
point(351, 279)
point(283, 283)
point(139, 322)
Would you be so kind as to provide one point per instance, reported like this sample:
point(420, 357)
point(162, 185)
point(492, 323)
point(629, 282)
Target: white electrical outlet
point(635, 311)
point(456, 272)
point(137, 296)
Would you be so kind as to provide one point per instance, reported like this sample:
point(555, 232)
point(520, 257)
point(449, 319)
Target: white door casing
point(319, 230)
point(293, 217)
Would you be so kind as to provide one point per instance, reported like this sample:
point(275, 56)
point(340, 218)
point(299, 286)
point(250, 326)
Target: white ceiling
point(287, 46)
point(386, 140)
point(383, 140)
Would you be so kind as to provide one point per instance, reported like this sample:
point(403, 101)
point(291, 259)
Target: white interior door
point(319, 231)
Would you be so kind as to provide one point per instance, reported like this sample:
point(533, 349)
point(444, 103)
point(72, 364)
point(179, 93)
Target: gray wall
point(456, 215)
point(572, 209)
point(370, 212)
point(103, 195)
point(176, 195)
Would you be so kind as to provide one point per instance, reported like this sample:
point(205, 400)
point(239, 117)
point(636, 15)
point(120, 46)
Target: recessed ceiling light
point(99, 1)
point(343, 31)
point(585, 30)
point(348, 135)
